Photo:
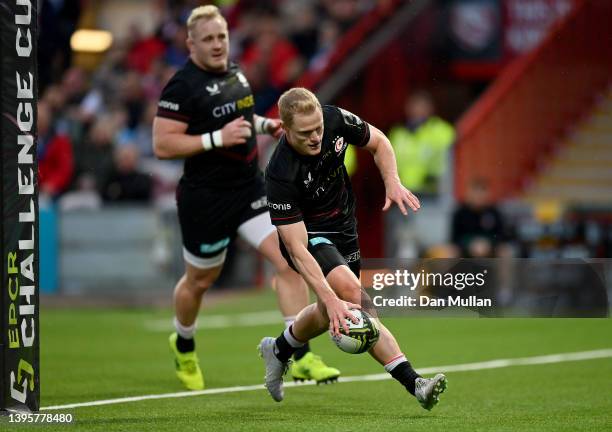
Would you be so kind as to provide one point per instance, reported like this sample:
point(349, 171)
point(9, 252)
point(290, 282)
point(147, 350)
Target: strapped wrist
point(212, 140)
point(261, 125)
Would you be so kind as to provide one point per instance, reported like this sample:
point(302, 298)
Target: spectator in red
point(55, 157)
point(143, 50)
point(271, 62)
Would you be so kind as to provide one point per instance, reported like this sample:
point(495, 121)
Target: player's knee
point(280, 264)
point(288, 275)
point(200, 282)
point(348, 290)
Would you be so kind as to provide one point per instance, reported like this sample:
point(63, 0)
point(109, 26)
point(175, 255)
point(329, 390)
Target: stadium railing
point(513, 127)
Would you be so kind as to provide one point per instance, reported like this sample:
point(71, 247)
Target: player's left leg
point(387, 351)
point(292, 294)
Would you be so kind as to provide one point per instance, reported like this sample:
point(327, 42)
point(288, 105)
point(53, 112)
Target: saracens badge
point(340, 145)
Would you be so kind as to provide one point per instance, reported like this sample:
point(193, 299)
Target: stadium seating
point(581, 172)
point(509, 134)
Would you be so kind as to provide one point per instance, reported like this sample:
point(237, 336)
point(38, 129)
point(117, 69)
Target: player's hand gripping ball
point(361, 336)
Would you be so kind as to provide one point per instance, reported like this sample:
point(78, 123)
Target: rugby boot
point(428, 390)
point(275, 369)
point(312, 367)
point(187, 366)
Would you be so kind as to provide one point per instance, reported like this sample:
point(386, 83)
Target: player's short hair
point(297, 100)
point(207, 12)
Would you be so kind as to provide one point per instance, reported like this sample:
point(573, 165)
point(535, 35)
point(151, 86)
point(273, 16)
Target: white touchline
point(490, 364)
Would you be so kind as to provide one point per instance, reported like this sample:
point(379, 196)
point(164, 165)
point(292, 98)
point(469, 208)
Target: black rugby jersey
point(316, 189)
point(206, 101)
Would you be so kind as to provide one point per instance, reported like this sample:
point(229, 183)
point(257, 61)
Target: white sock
point(186, 332)
point(394, 362)
point(291, 340)
point(289, 320)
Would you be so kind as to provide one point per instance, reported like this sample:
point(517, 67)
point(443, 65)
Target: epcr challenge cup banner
point(19, 365)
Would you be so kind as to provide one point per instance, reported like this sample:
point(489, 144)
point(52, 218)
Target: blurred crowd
point(95, 126)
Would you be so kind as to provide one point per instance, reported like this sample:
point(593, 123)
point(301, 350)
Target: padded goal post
point(19, 349)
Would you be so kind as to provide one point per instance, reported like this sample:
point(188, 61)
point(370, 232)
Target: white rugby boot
point(275, 369)
point(428, 390)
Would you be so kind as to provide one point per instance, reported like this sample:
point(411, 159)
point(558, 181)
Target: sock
point(401, 369)
point(184, 341)
point(185, 345)
point(286, 345)
point(304, 349)
point(289, 320)
point(301, 351)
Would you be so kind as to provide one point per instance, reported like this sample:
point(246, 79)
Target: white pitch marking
point(491, 364)
point(250, 319)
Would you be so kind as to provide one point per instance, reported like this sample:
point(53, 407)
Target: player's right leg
point(292, 293)
point(188, 295)
point(257, 230)
point(205, 235)
point(276, 353)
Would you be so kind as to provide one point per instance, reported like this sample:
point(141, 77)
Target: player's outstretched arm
point(395, 192)
point(270, 126)
point(170, 140)
point(295, 238)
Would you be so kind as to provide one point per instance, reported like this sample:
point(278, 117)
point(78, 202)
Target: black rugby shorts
point(209, 218)
point(331, 250)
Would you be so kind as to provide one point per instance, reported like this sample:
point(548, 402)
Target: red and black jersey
point(206, 101)
point(317, 189)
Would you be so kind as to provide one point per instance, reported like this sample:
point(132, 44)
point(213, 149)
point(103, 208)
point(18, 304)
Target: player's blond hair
point(297, 100)
point(207, 12)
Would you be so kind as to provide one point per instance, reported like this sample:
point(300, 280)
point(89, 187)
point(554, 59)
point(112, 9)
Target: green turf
point(95, 354)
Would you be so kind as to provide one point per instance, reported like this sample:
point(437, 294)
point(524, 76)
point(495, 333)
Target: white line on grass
point(249, 319)
point(491, 364)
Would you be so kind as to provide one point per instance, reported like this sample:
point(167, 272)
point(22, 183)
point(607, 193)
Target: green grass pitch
point(95, 354)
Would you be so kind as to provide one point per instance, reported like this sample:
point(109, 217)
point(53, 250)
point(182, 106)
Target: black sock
point(185, 345)
point(283, 350)
point(404, 373)
point(301, 351)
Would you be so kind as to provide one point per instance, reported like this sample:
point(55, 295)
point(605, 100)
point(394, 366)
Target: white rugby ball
point(361, 336)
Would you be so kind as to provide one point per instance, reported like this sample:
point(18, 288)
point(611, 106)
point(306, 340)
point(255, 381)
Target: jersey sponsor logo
point(279, 206)
point(213, 90)
point(261, 202)
point(339, 144)
point(225, 109)
point(328, 181)
point(168, 105)
point(232, 107)
point(350, 118)
point(245, 102)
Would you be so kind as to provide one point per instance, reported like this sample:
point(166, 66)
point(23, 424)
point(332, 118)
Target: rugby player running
point(312, 204)
point(206, 116)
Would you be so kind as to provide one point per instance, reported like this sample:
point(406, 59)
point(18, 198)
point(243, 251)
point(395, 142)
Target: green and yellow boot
point(187, 366)
point(311, 367)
